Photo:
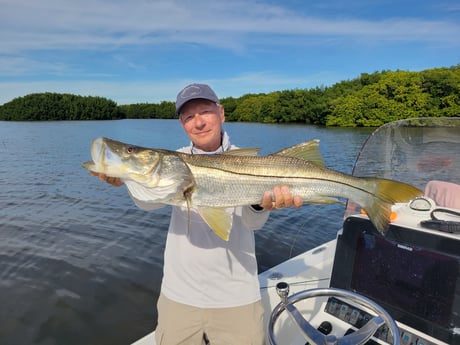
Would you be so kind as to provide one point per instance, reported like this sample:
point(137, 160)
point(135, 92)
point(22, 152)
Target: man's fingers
point(280, 197)
point(298, 202)
point(286, 196)
point(267, 202)
point(114, 181)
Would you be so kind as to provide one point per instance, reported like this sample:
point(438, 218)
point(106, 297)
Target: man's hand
point(280, 197)
point(114, 181)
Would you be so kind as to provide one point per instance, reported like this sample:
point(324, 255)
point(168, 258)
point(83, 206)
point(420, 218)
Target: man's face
point(202, 121)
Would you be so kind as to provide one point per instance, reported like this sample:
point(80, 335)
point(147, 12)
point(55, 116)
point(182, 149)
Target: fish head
point(125, 161)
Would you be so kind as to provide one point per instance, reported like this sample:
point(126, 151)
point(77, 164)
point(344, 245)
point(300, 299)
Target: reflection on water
point(80, 264)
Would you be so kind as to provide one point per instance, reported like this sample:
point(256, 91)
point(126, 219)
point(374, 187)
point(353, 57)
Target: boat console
point(413, 273)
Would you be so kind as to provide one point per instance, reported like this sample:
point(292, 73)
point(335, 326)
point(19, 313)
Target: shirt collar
point(225, 146)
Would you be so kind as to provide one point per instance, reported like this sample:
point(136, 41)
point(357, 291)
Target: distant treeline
point(56, 106)
point(369, 100)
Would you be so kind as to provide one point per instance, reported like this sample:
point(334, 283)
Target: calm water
point(80, 264)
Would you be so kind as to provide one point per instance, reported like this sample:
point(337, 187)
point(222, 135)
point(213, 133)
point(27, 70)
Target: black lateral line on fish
point(307, 178)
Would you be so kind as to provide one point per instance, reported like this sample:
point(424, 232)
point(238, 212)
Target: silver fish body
point(212, 183)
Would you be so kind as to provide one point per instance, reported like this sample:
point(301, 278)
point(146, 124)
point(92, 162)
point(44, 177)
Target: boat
point(402, 287)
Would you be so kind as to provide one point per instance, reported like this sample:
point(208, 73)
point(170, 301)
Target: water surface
point(80, 264)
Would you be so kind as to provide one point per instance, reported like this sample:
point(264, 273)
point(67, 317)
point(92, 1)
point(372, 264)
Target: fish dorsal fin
point(308, 151)
point(242, 152)
point(218, 220)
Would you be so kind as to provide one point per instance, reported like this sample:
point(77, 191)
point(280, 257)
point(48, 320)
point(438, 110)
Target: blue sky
point(147, 50)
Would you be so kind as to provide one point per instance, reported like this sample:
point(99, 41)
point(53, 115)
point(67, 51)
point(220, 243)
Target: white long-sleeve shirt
point(201, 269)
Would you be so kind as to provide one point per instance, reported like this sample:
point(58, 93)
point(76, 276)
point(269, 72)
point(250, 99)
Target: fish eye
point(131, 149)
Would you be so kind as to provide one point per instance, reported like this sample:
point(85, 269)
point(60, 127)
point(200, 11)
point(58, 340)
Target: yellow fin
point(218, 220)
point(242, 152)
point(308, 151)
point(388, 192)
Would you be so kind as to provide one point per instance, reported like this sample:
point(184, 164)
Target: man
point(210, 287)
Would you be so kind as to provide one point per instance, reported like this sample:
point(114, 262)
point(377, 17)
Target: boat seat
point(445, 194)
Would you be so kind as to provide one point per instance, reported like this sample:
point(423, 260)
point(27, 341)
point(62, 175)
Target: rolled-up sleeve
point(254, 219)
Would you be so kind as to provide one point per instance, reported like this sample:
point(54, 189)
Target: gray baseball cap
point(195, 91)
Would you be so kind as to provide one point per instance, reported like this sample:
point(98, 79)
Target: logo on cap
point(190, 91)
point(194, 91)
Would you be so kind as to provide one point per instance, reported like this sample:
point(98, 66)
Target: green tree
point(55, 107)
point(371, 99)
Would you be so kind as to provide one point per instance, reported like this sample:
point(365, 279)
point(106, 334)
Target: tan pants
point(180, 324)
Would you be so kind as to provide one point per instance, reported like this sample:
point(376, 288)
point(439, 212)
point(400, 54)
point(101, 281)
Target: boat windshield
point(414, 151)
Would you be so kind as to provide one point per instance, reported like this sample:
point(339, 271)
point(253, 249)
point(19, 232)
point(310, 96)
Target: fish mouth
point(98, 149)
point(98, 152)
point(102, 155)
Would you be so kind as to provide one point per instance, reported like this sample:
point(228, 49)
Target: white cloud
point(76, 42)
point(99, 24)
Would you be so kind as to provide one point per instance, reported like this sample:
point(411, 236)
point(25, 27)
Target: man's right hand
point(114, 181)
point(280, 197)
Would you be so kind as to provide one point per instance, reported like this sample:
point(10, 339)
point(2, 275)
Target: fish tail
point(387, 193)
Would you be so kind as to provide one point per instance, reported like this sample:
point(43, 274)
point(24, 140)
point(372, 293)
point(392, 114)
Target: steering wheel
point(312, 335)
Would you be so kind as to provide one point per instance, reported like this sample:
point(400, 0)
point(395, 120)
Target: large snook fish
point(211, 183)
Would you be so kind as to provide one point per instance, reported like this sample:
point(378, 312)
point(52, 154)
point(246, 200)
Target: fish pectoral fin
point(218, 220)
